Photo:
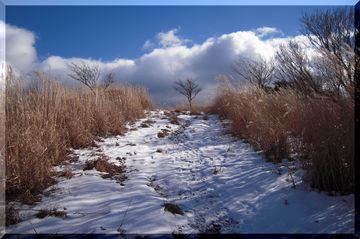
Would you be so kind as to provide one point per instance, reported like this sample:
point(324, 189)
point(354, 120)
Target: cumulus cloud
point(169, 39)
point(2, 42)
point(20, 49)
point(266, 31)
point(147, 45)
point(58, 67)
point(172, 60)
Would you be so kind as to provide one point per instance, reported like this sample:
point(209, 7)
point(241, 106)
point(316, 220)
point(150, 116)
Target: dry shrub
point(44, 118)
point(327, 132)
point(196, 108)
point(257, 117)
point(173, 208)
point(51, 213)
point(12, 215)
point(67, 173)
point(174, 119)
point(161, 134)
point(317, 131)
point(102, 165)
point(147, 123)
point(181, 108)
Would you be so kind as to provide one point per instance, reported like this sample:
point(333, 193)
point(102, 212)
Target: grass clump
point(173, 208)
point(161, 134)
point(51, 213)
point(102, 165)
point(12, 215)
point(44, 118)
point(318, 131)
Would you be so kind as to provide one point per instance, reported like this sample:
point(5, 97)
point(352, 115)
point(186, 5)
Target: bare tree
point(329, 72)
point(294, 67)
point(89, 76)
point(259, 72)
point(357, 49)
point(108, 80)
point(332, 32)
point(187, 88)
point(86, 74)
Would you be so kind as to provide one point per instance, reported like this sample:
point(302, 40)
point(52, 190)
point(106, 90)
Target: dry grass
point(147, 123)
point(2, 146)
point(163, 133)
point(102, 165)
point(173, 208)
point(174, 120)
point(12, 215)
point(51, 213)
point(45, 118)
point(319, 130)
point(196, 108)
point(67, 173)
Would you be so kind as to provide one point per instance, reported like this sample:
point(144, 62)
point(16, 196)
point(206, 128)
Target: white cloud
point(159, 68)
point(266, 31)
point(2, 42)
point(169, 39)
point(147, 45)
point(20, 50)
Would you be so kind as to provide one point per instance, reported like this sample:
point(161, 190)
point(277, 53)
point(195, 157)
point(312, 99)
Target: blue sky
point(109, 32)
point(180, 2)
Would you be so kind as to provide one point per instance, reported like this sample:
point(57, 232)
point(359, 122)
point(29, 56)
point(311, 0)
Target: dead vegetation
point(173, 208)
point(67, 173)
point(172, 116)
point(102, 165)
point(163, 133)
point(144, 125)
point(317, 131)
point(12, 215)
point(147, 123)
point(308, 114)
point(196, 108)
point(44, 118)
point(54, 212)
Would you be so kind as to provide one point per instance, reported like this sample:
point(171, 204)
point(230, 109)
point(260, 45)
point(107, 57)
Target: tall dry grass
point(318, 131)
point(2, 147)
point(196, 108)
point(44, 118)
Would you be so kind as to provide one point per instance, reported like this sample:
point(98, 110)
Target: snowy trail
point(220, 183)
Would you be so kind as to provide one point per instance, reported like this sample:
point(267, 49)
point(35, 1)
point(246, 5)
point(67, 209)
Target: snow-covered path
point(219, 182)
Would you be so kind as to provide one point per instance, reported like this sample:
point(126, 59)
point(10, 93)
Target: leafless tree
point(89, 76)
point(108, 80)
point(332, 32)
point(294, 67)
point(187, 88)
point(330, 71)
point(86, 74)
point(357, 49)
point(259, 72)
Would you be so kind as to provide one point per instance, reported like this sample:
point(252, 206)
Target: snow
point(220, 182)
